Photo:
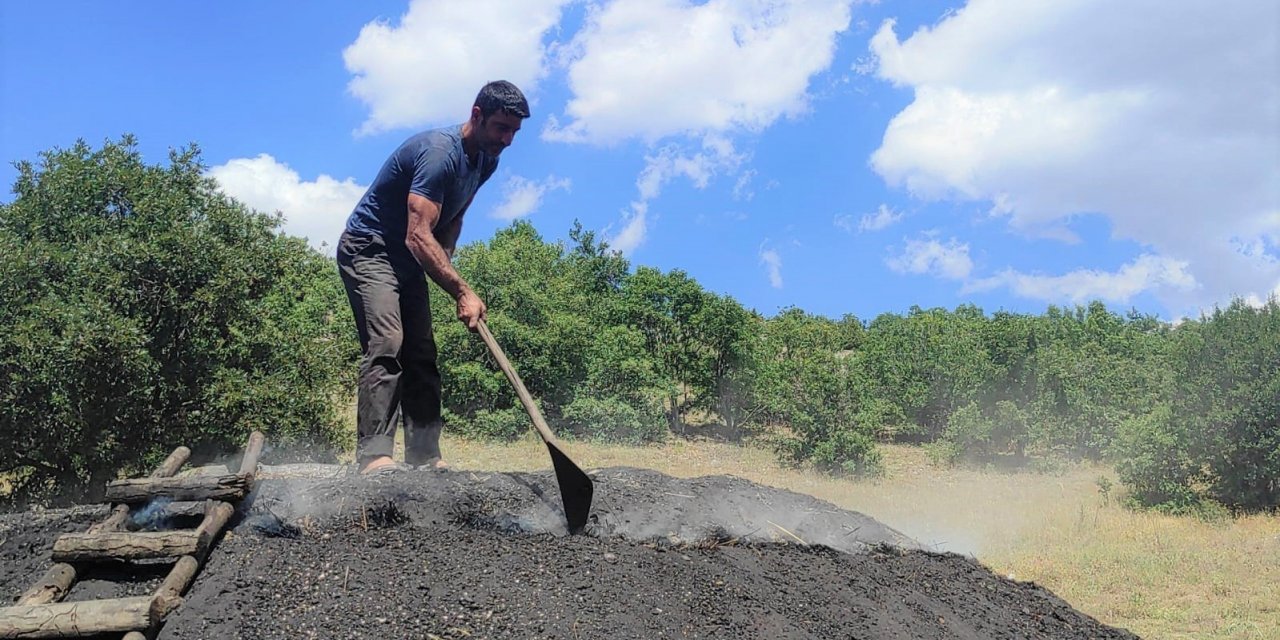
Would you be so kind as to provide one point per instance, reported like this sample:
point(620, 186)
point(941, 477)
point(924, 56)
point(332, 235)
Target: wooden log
point(76, 619)
point(57, 581)
point(216, 516)
point(171, 464)
point(52, 587)
point(180, 577)
point(85, 547)
point(230, 487)
point(252, 451)
point(114, 522)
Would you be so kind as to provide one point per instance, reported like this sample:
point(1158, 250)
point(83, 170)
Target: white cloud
point(522, 196)
point(315, 210)
point(772, 262)
point(742, 188)
point(884, 217)
point(717, 155)
point(845, 221)
point(634, 230)
point(1162, 118)
point(929, 256)
point(672, 161)
point(1145, 273)
point(428, 68)
point(656, 68)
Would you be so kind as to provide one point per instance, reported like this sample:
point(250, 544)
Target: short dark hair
point(501, 95)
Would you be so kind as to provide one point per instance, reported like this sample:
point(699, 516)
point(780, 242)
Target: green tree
point(142, 309)
point(812, 394)
point(930, 362)
point(1216, 435)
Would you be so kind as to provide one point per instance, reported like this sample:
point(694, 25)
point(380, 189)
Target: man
point(407, 225)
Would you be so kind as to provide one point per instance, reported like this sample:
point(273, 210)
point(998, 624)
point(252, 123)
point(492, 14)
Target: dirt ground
point(316, 553)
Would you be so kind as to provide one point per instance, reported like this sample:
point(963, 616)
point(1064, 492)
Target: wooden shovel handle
point(514, 379)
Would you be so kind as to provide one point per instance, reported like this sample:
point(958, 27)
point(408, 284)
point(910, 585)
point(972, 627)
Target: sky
point(840, 156)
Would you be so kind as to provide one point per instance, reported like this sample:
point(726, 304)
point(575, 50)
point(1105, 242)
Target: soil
point(318, 553)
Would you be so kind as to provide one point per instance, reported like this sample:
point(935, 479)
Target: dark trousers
point(399, 379)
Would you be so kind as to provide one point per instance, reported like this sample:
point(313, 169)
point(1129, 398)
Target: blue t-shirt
point(431, 164)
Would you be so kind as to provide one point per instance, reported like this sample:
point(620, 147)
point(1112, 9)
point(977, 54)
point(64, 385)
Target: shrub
point(850, 452)
point(143, 309)
point(495, 424)
point(615, 420)
point(983, 434)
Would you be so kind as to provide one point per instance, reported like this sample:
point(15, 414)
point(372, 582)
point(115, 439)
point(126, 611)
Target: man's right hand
point(471, 309)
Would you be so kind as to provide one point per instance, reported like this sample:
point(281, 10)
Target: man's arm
point(435, 260)
point(448, 236)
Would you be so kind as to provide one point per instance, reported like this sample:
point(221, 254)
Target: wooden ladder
point(39, 612)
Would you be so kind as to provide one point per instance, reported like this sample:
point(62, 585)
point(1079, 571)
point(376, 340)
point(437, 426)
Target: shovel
point(575, 485)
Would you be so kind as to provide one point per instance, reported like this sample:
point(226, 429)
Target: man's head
point(496, 115)
point(503, 96)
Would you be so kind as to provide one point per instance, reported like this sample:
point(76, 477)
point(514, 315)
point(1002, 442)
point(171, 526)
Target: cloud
point(522, 196)
point(1163, 120)
point(1145, 273)
point(315, 210)
point(773, 266)
point(667, 163)
point(428, 68)
point(634, 230)
point(883, 218)
point(699, 167)
point(928, 256)
point(845, 221)
point(742, 188)
point(657, 68)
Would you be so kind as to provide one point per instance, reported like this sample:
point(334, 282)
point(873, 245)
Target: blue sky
point(838, 156)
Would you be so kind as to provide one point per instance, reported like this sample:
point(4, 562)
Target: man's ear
point(476, 116)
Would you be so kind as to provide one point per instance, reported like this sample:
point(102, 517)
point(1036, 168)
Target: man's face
point(497, 131)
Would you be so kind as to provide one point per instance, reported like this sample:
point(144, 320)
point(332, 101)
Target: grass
point(1158, 576)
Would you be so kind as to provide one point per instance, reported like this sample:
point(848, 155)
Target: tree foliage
point(142, 309)
point(1215, 434)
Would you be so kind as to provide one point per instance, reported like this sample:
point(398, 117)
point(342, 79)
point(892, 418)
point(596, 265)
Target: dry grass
point(1159, 576)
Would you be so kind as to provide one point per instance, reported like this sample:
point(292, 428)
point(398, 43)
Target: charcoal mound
point(320, 553)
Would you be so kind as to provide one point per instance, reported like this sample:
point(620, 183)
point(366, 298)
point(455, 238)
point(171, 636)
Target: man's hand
point(471, 309)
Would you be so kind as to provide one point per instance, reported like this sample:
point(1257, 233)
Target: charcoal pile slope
point(485, 555)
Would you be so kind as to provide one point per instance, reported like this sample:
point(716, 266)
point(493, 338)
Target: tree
point(813, 395)
point(142, 309)
point(1216, 433)
point(930, 362)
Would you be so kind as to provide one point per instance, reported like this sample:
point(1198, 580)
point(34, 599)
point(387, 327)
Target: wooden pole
point(252, 451)
point(171, 464)
point(216, 516)
point(229, 487)
point(77, 619)
point(121, 545)
point(179, 578)
point(52, 587)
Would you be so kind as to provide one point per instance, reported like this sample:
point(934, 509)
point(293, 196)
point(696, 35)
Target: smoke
point(633, 504)
point(648, 506)
point(152, 516)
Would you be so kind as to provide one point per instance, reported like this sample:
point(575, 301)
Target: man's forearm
point(437, 262)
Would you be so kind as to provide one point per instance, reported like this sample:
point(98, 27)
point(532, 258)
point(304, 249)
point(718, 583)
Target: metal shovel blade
point(576, 489)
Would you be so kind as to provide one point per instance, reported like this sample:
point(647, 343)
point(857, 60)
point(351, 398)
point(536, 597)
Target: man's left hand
point(471, 309)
